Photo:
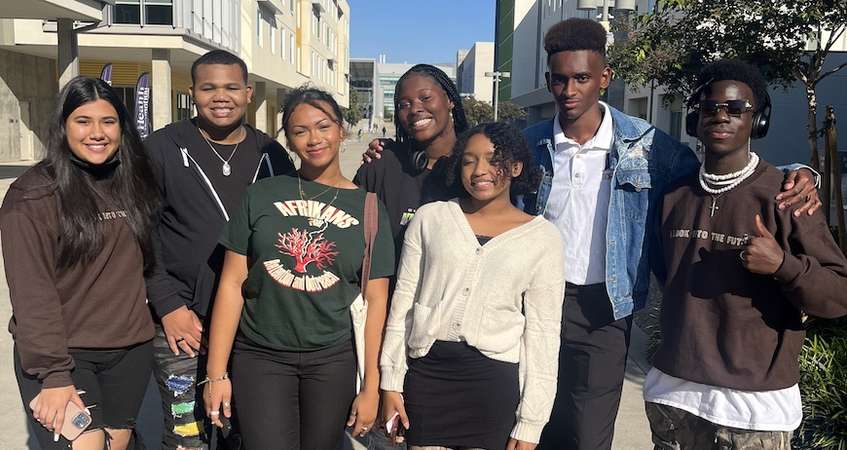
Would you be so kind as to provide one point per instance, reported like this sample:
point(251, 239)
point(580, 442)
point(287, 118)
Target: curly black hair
point(732, 70)
point(460, 122)
point(575, 34)
point(509, 147)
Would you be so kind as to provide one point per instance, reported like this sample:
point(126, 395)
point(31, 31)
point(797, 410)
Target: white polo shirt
point(579, 200)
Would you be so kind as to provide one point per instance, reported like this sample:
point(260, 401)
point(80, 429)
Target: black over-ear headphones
point(761, 118)
point(417, 160)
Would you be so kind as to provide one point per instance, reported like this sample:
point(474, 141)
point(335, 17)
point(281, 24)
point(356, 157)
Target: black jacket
point(188, 257)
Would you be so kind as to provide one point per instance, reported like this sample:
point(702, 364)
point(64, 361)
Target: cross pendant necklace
point(714, 206)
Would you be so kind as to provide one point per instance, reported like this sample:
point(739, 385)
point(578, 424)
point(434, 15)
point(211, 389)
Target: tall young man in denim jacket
point(604, 172)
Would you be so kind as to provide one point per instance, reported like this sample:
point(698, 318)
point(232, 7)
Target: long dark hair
point(460, 122)
point(132, 185)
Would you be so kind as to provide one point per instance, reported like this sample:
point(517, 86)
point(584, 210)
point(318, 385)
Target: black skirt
point(457, 397)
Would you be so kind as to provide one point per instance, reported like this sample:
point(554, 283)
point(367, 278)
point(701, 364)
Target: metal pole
point(496, 89)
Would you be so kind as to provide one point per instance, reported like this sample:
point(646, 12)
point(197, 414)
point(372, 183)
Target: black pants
point(113, 380)
point(293, 400)
point(592, 363)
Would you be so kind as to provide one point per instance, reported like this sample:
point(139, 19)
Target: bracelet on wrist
point(223, 377)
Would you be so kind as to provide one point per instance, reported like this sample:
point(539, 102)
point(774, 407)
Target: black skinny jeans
point(293, 400)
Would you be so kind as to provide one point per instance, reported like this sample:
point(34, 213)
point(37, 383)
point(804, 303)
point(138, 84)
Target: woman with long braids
point(292, 269)
point(409, 172)
point(76, 245)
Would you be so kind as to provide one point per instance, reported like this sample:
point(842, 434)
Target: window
point(316, 24)
point(128, 11)
point(158, 12)
point(292, 51)
point(259, 26)
point(155, 12)
point(273, 38)
point(184, 106)
point(282, 47)
point(291, 5)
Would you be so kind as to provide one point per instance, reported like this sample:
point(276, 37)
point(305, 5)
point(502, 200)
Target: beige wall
point(28, 87)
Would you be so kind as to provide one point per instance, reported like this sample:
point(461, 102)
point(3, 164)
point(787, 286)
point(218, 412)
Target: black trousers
point(293, 400)
point(592, 363)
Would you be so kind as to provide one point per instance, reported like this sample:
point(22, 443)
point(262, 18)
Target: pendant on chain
point(226, 169)
point(714, 207)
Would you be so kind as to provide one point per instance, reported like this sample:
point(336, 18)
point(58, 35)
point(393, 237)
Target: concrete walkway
point(631, 430)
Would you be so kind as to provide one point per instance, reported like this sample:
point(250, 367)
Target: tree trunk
point(812, 125)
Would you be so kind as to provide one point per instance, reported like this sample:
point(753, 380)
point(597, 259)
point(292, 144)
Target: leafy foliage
point(356, 111)
point(789, 40)
point(823, 387)
point(479, 112)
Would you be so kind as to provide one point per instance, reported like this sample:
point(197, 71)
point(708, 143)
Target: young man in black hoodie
point(204, 166)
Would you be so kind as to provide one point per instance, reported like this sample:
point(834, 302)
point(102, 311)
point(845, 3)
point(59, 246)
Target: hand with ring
point(217, 395)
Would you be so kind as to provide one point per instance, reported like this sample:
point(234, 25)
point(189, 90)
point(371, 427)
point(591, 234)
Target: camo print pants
point(675, 429)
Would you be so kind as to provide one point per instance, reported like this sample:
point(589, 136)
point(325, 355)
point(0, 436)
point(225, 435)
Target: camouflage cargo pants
point(675, 429)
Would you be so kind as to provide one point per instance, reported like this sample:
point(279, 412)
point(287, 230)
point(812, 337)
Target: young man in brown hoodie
point(739, 274)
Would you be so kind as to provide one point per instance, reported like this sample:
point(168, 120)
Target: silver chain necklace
point(226, 169)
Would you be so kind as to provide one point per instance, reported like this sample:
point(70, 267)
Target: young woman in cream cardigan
point(472, 341)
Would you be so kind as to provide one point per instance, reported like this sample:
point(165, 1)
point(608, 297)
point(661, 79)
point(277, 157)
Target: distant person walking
point(360, 134)
point(76, 244)
point(384, 130)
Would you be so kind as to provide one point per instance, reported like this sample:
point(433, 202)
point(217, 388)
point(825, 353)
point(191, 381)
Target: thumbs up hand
point(763, 255)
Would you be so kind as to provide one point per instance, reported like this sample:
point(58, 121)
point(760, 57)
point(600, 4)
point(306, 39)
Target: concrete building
point(285, 43)
point(364, 80)
point(470, 73)
point(389, 73)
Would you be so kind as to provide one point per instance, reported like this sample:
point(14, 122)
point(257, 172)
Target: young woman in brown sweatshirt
point(76, 243)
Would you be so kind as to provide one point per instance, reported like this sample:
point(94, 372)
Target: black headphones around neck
point(761, 117)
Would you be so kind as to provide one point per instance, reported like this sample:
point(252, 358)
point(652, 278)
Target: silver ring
point(214, 413)
point(226, 404)
point(741, 256)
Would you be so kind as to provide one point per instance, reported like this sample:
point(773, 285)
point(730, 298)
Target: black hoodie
point(189, 260)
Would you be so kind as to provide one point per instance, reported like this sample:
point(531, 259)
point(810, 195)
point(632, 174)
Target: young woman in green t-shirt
point(291, 272)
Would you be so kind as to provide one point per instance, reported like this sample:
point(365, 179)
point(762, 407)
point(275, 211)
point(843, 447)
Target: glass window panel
point(127, 14)
point(159, 15)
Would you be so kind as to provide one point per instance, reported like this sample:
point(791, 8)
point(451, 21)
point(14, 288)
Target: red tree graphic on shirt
point(306, 248)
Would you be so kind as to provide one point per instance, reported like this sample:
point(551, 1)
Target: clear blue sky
point(426, 31)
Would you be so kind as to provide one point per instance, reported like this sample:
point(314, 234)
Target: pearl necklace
point(727, 181)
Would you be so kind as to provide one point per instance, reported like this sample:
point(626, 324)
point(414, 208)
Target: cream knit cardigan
point(514, 286)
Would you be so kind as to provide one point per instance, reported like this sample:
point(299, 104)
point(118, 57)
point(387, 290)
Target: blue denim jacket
point(644, 160)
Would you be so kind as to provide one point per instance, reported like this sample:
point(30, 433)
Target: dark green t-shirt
point(304, 260)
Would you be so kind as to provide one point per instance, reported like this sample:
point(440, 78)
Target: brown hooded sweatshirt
point(98, 305)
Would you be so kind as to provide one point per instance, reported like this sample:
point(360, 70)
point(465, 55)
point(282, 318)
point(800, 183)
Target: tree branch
point(830, 72)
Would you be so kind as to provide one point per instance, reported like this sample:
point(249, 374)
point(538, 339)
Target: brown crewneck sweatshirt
point(721, 324)
point(99, 305)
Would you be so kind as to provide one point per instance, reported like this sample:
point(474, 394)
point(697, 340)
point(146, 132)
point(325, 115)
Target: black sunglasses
point(732, 107)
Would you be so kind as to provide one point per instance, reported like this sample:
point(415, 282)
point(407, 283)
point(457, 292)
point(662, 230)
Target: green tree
point(477, 111)
point(356, 111)
point(789, 40)
point(510, 112)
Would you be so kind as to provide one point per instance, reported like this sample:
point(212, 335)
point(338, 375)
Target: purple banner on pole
point(106, 74)
point(142, 105)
